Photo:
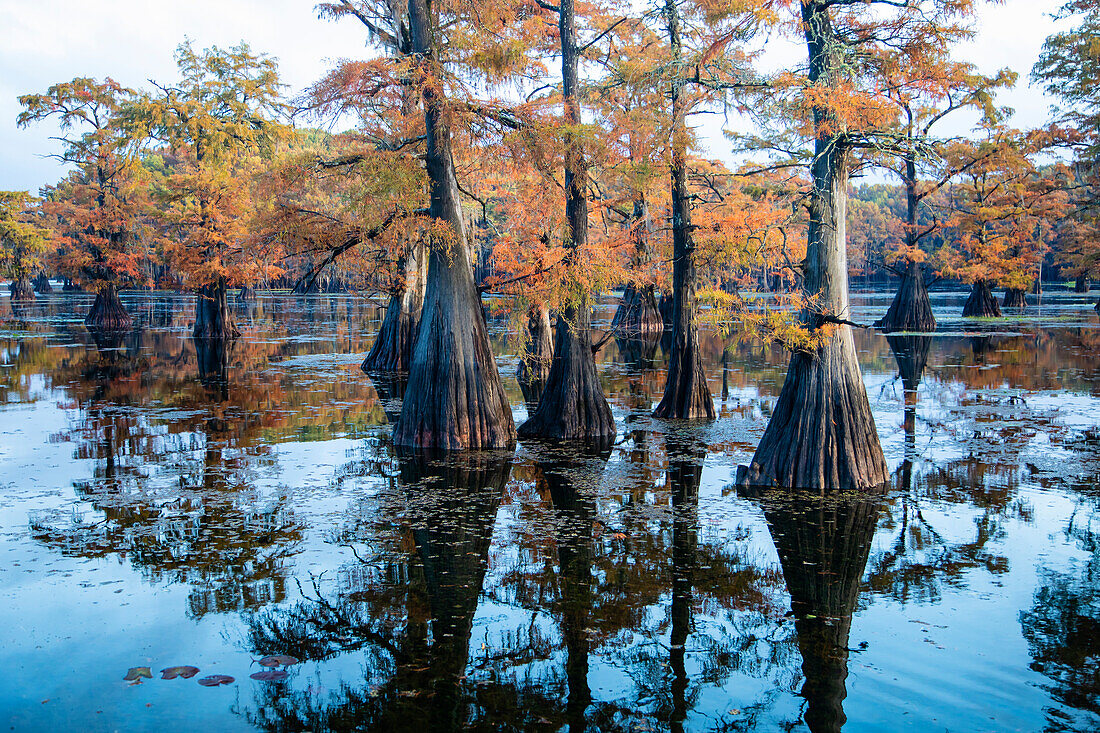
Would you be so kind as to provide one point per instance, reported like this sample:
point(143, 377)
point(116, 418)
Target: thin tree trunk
point(455, 399)
point(687, 395)
point(981, 303)
point(393, 346)
point(573, 406)
point(822, 434)
point(538, 355)
point(107, 312)
point(212, 317)
point(911, 309)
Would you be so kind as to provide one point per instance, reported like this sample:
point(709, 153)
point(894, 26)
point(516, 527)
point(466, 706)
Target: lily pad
point(136, 673)
point(277, 660)
point(186, 672)
point(215, 679)
point(270, 675)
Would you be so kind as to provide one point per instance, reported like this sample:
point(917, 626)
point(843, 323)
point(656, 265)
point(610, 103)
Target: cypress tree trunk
point(1082, 284)
point(637, 314)
point(911, 309)
point(573, 406)
point(821, 434)
point(246, 294)
point(21, 289)
point(393, 346)
point(981, 303)
point(42, 284)
point(212, 317)
point(1015, 298)
point(665, 308)
point(107, 312)
point(538, 354)
point(455, 399)
point(687, 395)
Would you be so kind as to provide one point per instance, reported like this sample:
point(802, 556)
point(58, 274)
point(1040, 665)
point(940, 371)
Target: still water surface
point(163, 507)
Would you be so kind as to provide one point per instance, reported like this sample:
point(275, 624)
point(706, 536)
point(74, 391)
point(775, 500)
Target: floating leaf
point(215, 679)
point(270, 675)
point(277, 660)
point(186, 672)
point(136, 673)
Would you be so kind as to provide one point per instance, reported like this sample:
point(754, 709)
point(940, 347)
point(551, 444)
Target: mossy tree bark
point(687, 395)
point(572, 406)
point(455, 399)
point(981, 303)
point(393, 346)
point(107, 311)
point(538, 354)
point(213, 320)
point(822, 434)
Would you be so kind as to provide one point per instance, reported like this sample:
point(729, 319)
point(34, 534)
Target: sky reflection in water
point(161, 506)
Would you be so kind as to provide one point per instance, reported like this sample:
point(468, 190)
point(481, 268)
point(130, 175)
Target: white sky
point(47, 41)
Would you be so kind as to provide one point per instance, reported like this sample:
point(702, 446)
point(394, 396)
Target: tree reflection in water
point(1062, 627)
point(417, 655)
point(823, 542)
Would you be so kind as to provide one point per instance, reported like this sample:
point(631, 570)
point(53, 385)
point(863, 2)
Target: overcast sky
point(47, 41)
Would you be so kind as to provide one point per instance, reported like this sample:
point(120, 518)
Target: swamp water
point(161, 506)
